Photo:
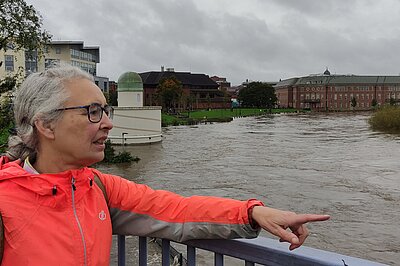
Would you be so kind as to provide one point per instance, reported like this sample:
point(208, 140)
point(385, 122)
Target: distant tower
point(130, 90)
point(327, 72)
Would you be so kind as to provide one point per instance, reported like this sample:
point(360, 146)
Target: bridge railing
point(261, 250)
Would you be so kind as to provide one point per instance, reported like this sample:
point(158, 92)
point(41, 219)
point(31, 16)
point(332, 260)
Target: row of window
point(347, 89)
point(346, 96)
point(31, 64)
point(90, 68)
point(339, 105)
point(83, 55)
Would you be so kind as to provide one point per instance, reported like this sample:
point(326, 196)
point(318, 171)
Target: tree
point(374, 103)
point(353, 102)
point(258, 94)
point(169, 92)
point(21, 27)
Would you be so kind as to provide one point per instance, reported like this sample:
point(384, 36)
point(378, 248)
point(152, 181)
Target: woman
point(56, 210)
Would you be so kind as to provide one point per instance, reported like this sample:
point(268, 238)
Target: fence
point(260, 250)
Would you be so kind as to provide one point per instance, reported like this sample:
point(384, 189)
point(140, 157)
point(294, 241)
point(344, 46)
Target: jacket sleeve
point(137, 209)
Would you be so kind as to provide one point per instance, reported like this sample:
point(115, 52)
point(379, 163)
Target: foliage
point(121, 157)
point(353, 102)
point(21, 27)
point(6, 115)
point(392, 101)
point(374, 103)
point(4, 134)
point(386, 119)
point(257, 94)
point(169, 92)
point(7, 84)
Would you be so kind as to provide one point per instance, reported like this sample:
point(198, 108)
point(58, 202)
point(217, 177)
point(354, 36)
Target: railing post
point(142, 251)
point(165, 252)
point(121, 250)
point(218, 259)
point(191, 256)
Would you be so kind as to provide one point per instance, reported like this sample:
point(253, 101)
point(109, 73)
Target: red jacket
point(63, 219)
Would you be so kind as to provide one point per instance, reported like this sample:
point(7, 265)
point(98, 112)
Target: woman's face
point(79, 142)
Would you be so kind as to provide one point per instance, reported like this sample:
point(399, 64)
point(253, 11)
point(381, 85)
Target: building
point(223, 85)
point(72, 52)
point(133, 122)
point(199, 90)
point(326, 92)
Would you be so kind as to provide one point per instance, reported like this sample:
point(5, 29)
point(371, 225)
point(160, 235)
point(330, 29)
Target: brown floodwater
point(309, 163)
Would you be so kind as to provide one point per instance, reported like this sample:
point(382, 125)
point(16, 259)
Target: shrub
point(386, 119)
point(121, 157)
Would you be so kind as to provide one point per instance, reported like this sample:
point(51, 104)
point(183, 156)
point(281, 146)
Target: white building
point(133, 122)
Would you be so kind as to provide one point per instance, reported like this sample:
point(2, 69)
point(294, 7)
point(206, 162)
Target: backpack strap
point(1, 239)
point(101, 186)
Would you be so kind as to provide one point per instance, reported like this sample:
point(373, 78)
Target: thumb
point(288, 236)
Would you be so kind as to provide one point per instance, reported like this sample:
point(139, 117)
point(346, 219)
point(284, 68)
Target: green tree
point(353, 102)
point(258, 94)
point(169, 93)
point(392, 101)
point(21, 27)
point(374, 103)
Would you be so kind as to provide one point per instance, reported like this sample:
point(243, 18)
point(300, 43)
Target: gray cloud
point(258, 40)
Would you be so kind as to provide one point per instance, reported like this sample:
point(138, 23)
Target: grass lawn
point(216, 115)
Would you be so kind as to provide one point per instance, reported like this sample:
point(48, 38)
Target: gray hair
point(37, 98)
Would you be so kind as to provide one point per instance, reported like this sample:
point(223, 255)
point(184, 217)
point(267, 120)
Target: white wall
point(141, 125)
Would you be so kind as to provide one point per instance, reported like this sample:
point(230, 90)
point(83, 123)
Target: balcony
point(260, 250)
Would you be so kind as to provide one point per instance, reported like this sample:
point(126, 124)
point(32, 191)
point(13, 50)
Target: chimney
point(162, 68)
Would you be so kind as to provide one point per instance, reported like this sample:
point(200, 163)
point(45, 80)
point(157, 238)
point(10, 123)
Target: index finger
point(305, 218)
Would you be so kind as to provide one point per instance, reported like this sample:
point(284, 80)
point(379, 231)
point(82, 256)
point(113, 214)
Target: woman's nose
point(106, 122)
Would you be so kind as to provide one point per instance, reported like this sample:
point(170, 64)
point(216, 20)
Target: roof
point(130, 81)
point(186, 78)
point(339, 80)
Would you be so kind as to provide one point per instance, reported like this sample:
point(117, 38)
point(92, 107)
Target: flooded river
point(318, 163)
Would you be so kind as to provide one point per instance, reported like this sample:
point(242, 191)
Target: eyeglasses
point(94, 111)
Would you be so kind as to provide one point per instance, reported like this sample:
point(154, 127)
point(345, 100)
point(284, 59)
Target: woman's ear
point(45, 129)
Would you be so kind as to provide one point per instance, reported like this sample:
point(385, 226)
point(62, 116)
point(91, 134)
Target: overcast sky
point(261, 40)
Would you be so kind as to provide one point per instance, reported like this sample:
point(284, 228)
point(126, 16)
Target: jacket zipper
point(77, 219)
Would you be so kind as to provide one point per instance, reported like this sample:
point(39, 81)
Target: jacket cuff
point(250, 205)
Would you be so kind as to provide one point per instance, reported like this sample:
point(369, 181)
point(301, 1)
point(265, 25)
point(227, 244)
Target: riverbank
point(216, 115)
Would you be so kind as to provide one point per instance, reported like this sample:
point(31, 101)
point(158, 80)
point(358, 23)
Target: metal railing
point(261, 250)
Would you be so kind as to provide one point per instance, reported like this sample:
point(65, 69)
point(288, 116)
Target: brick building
point(326, 92)
point(199, 90)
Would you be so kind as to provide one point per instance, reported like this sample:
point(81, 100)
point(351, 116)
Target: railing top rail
point(271, 252)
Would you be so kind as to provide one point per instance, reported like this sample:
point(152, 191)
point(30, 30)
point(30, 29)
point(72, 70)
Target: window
point(31, 63)
point(58, 50)
point(50, 62)
point(9, 62)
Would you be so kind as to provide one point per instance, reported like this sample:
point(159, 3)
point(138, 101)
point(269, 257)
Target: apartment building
point(72, 52)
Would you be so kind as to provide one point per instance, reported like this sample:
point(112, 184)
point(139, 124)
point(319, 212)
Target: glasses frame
point(106, 109)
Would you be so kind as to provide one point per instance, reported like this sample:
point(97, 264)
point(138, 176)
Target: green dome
point(130, 81)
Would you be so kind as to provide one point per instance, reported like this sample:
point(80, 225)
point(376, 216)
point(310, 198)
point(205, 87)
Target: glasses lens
point(107, 110)
point(95, 113)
